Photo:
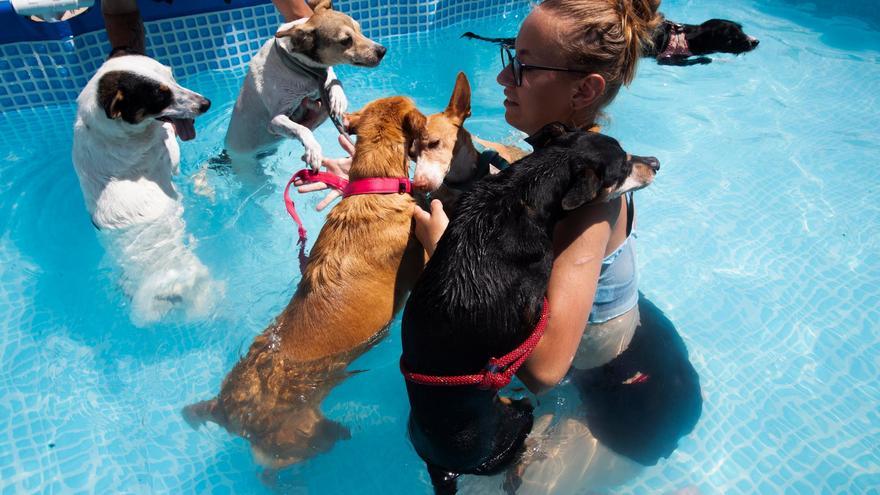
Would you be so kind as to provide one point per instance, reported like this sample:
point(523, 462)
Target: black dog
point(482, 294)
point(675, 44)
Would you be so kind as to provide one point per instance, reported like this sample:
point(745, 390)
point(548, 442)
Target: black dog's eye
point(346, 42)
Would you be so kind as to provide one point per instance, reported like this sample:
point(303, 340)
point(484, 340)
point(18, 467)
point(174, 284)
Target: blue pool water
point(759, 239)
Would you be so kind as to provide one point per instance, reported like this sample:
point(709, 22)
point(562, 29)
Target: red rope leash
point(498, 371)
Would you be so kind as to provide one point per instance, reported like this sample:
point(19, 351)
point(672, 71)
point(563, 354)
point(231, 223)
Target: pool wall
point(52, 71)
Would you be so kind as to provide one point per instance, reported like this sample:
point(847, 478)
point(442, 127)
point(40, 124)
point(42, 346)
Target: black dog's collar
point(486, 158)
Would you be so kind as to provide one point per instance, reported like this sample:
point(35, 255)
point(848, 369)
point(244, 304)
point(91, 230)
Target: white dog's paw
point(313, 154)
point(189, 288)
point(338, 101)
point(201, 186)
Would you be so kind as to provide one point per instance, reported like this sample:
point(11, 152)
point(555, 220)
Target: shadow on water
point(648, 397)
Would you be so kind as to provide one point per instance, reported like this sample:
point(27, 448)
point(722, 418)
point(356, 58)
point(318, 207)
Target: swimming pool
point(759, 239)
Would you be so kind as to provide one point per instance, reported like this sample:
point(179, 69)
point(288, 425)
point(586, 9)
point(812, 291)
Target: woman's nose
point(505, 77)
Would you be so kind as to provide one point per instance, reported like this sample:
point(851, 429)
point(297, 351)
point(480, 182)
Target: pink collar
point(369, 185)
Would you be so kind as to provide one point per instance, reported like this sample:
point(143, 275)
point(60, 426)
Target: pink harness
point(678, 44)
point(369, 185)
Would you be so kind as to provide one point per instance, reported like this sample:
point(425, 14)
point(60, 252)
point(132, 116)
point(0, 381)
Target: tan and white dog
point(291, 86)
point(125, 154)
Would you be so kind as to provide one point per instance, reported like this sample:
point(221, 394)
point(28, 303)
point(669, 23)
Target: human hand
point(430, 226)
point(337, 166)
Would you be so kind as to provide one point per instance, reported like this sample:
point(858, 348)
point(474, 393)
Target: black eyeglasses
point(508, 59)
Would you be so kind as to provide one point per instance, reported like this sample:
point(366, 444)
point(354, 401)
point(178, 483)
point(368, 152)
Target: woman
point(639, 392)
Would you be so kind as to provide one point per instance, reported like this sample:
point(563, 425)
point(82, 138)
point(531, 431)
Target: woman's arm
point(579, 242)
point(292, 10)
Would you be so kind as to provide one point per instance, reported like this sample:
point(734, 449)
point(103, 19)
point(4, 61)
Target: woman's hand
point(430, 226)
point(337, 166)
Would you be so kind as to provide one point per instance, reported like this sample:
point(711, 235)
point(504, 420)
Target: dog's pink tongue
point(184, 128)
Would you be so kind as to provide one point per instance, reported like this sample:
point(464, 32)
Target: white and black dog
point(291, 86)
point(125, 153)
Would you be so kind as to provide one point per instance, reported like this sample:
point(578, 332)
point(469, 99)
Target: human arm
point(292, 10)
point(430, 226)
point(579, 243)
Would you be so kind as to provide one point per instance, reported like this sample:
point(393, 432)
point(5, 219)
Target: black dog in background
point(675, 44)
point(482, 294)
point(682, 44)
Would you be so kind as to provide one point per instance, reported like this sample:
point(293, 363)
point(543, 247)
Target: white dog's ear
point(302, 37)
point(319, 5)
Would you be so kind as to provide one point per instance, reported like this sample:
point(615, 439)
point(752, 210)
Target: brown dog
point(447, 162)
point(360, 270)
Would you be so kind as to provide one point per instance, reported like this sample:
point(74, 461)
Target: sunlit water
point(759, 239)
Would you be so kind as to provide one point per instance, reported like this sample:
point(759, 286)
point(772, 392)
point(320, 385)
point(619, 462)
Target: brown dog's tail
point(197, 414)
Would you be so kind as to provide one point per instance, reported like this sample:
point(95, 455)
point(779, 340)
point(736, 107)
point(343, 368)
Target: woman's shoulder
point(588, 228)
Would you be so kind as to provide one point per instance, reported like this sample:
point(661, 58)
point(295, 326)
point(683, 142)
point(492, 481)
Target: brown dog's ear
point(350, 121)
point(302, 37)
point(319, 5)
point(459, 107)
point(582, 191)
point(414, 123)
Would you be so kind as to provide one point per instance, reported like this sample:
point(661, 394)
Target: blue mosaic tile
point(211, 41)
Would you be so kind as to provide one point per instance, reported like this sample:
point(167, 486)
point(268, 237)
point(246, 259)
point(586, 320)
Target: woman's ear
point(588, 91)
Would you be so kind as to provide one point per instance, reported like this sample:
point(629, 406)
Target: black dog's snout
point(650, 161)
point(380, 51)
point(204, 105)
point(753, 42)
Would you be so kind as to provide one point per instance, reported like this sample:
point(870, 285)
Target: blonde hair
point(606, 37)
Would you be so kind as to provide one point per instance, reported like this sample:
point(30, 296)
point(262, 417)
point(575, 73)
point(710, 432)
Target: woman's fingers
point(347, 145)
point(311, 187)
point(421, 216)
point(430, 226)
point(333, 194)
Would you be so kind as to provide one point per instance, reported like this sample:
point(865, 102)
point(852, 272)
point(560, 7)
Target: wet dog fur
point(482, 291)
point(361, 268)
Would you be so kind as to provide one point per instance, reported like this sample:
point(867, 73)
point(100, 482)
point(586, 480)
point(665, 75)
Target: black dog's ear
point(132, 97)
point(583, 190)
point(547, 134)
point(302, 37)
